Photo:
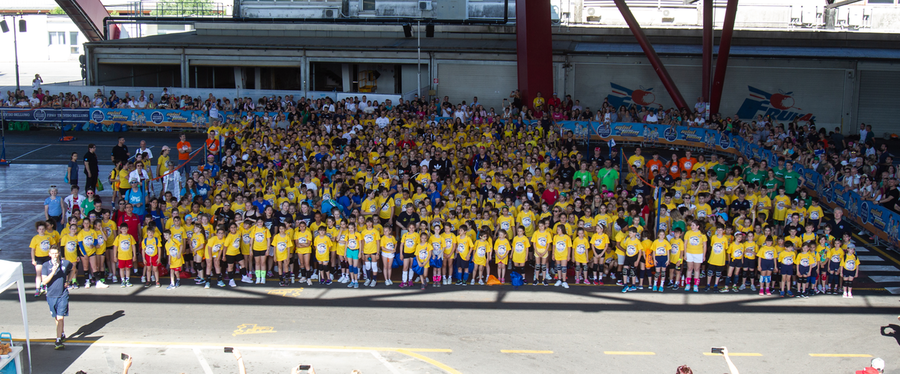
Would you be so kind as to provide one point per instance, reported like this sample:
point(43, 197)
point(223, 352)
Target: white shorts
point(694, 258)
point(621, 259)
point(387, 254)
point(271, 251)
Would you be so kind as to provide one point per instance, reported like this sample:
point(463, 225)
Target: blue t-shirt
point(137, 198)
point(57, 286)
point(74, 177)
point(54, 209)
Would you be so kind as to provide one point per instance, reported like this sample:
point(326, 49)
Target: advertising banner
point(45, 115)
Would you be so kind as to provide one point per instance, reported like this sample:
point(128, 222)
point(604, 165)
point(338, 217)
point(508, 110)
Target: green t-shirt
point(758, 177)
point(609, 178)
point(779, 172)
point(721, 171)
point(791, 180)
point(772, 184)
point(584, 176)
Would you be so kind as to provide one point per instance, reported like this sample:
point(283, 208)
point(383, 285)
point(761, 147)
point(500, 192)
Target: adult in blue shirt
point(260, 203)
point(211, 166)
point(53, 207)
point(137, 197)
point(54, 274)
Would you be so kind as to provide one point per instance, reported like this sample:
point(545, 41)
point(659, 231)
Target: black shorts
point(716, 268)
point(848, 273)
point(834, 266)
point(259, 253)
point(787, 269)
point(232, 259)
point(409, 255)
point(630, 261)
point(384, 221)
point(41, 259)
point(749, 263)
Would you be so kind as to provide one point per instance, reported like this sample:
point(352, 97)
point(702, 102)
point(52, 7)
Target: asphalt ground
point(476, 329)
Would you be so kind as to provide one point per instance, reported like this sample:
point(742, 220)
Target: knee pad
point(768, 278)
point(630, 272)
point(577, 267)
point(718, 274)
point(709, 273)
point(848, 283)
point(367, 265)
point(559, 267)
point(802, 280)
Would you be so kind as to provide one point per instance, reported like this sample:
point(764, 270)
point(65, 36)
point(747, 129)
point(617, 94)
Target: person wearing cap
point(875, 367)
point(735, 262)
point(162, 163)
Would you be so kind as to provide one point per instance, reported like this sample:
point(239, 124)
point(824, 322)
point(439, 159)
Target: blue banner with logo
point(151, 117)
point(45, 115)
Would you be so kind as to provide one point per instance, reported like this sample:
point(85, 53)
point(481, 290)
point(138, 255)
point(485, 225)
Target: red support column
point(534, 49)
point(651, 54)
point(707, 47)
point(722, 58)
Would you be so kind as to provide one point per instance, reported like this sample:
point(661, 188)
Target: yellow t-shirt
point(520, 246)
point(694, 242)
point(541, 240)
point(580, 247)
point(718, 251)
point(284, 246)
point(41, 245)
point(124, 247)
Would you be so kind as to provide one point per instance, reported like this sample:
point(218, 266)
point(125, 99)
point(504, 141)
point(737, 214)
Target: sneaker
point(845, 294)
point(355, 284)
point(768, 292)
point(62, 337)
point(423, 286)
point(472, 283)
point(753, 288)
point(781, 293)
point(705, 289)
point(376, 282)
point(742, 287)
point(632, 288)
point(231, 283)
point(246, 279)
point(559, 282)
point(654, 288)
point(661, 289)
point(115, 279)
point(59, 345)
point(37, 292)
point(849, 294)
point(171, 287)
point(123, 285)
point(206, 285)
point(269, 273)
point(565, 285)
point(696, 288)
point(535, 283)
point(128, 284)
point(309, 282)
point(388, 282)
point(725, 290)
point(314, 277)
point(544, 282)
point(220, 284)
point(762, 292)
point(147, 284)
point(639, 287)
point(687, 288)
point(142, 279)
point(619, 283)
point(350, 285)
point(328, 282)
point(790, 294)
point(199, 280)
point(734, 289)
point(481, 282)
point(157, 284)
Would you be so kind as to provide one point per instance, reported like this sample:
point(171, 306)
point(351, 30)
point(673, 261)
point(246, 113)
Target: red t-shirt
point(550, 196)
point(183, 153)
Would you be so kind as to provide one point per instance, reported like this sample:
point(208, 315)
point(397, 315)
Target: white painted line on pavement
point(870, 258)
point(30, 152)
point(203, 363)
point(25, 222)
point(384, 361)
point(878, 268)
point(884, 278)
point(893, 290)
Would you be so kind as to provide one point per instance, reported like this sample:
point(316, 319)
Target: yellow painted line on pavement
point(629, 353)
point(838, 355)
point(412, 352)
point(525, 351)
point(736, 354)
point(429, 360)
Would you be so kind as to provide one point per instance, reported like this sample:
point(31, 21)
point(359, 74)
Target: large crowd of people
point(356, 191)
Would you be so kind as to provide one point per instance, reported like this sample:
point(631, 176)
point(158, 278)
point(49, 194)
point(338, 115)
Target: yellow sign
point(286, 292)
point(252, 328)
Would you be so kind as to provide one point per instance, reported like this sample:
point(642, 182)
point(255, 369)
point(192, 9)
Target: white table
point(14, 356)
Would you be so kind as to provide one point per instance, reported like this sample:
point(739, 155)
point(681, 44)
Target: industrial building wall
point(780, 88)
point(491, 82)
point(878, 100)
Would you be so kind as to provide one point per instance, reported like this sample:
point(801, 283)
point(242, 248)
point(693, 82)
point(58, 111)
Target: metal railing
point(171, 8)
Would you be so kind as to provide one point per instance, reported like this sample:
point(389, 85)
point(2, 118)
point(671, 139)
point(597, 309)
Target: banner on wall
point(45, 115)
point(151, 117)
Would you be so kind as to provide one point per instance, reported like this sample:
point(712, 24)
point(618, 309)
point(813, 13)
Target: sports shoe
point(142, 279)
point(350, 285)
point(231, 283)
point(355, 284)
point(654, 288)
point(199, 280)
point(328, 282)
point(688, 288)
point(269, 273)
point(619, 283)
point(374, 282)
point(544, 282)
point(559, 282)
point(472, 283)
point(781, 293)
point(768, 292)
point(171, 287)
point(309, 282)
point(157, 284)
point(753, 288)
point(115, 279)
point(128, 283)
point(314, 277)
point(724, 290)
point(849, 294)
point(123, 285)
point(246, 279)
point(790, 294)
point(742, 287)
point(696, 288)
point(58, 345)
point(206, 285)
point(661, 289)
point(565, 285)
point(481, 282)
point(147, 284)
point(632, 288)
point(220, 284)
point(845, 294)
point(734, 289)
point(388, 282)
point(639, 287)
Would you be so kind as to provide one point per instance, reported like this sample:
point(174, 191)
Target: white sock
point(405, 277)
point(412, 274)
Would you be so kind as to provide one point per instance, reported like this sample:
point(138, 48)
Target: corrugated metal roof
point(677, 49)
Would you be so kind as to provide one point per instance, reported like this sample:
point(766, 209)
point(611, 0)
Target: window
point(368, 5)
point(57, 38)
point(73, 37)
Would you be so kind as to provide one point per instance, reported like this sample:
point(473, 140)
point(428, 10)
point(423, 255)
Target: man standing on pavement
point(54, 275)
point(91, 167)
point(120, 152)
point(148, 155)
point(184, 155)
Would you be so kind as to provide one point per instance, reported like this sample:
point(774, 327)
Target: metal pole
point(16, 50)
point(707, 48)
point(3, 161)
point(722, 58)
point(655, 61)
point(419, 58)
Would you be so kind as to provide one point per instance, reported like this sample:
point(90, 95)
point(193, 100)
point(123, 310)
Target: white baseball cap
point(878, 363)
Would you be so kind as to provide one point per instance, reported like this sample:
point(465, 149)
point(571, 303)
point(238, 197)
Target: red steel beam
point(707, 47)
point(651, 54)
point(722, 58)
point(534, 50)
point(88, 15)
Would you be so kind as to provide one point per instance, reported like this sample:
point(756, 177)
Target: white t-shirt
point(382, 122)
